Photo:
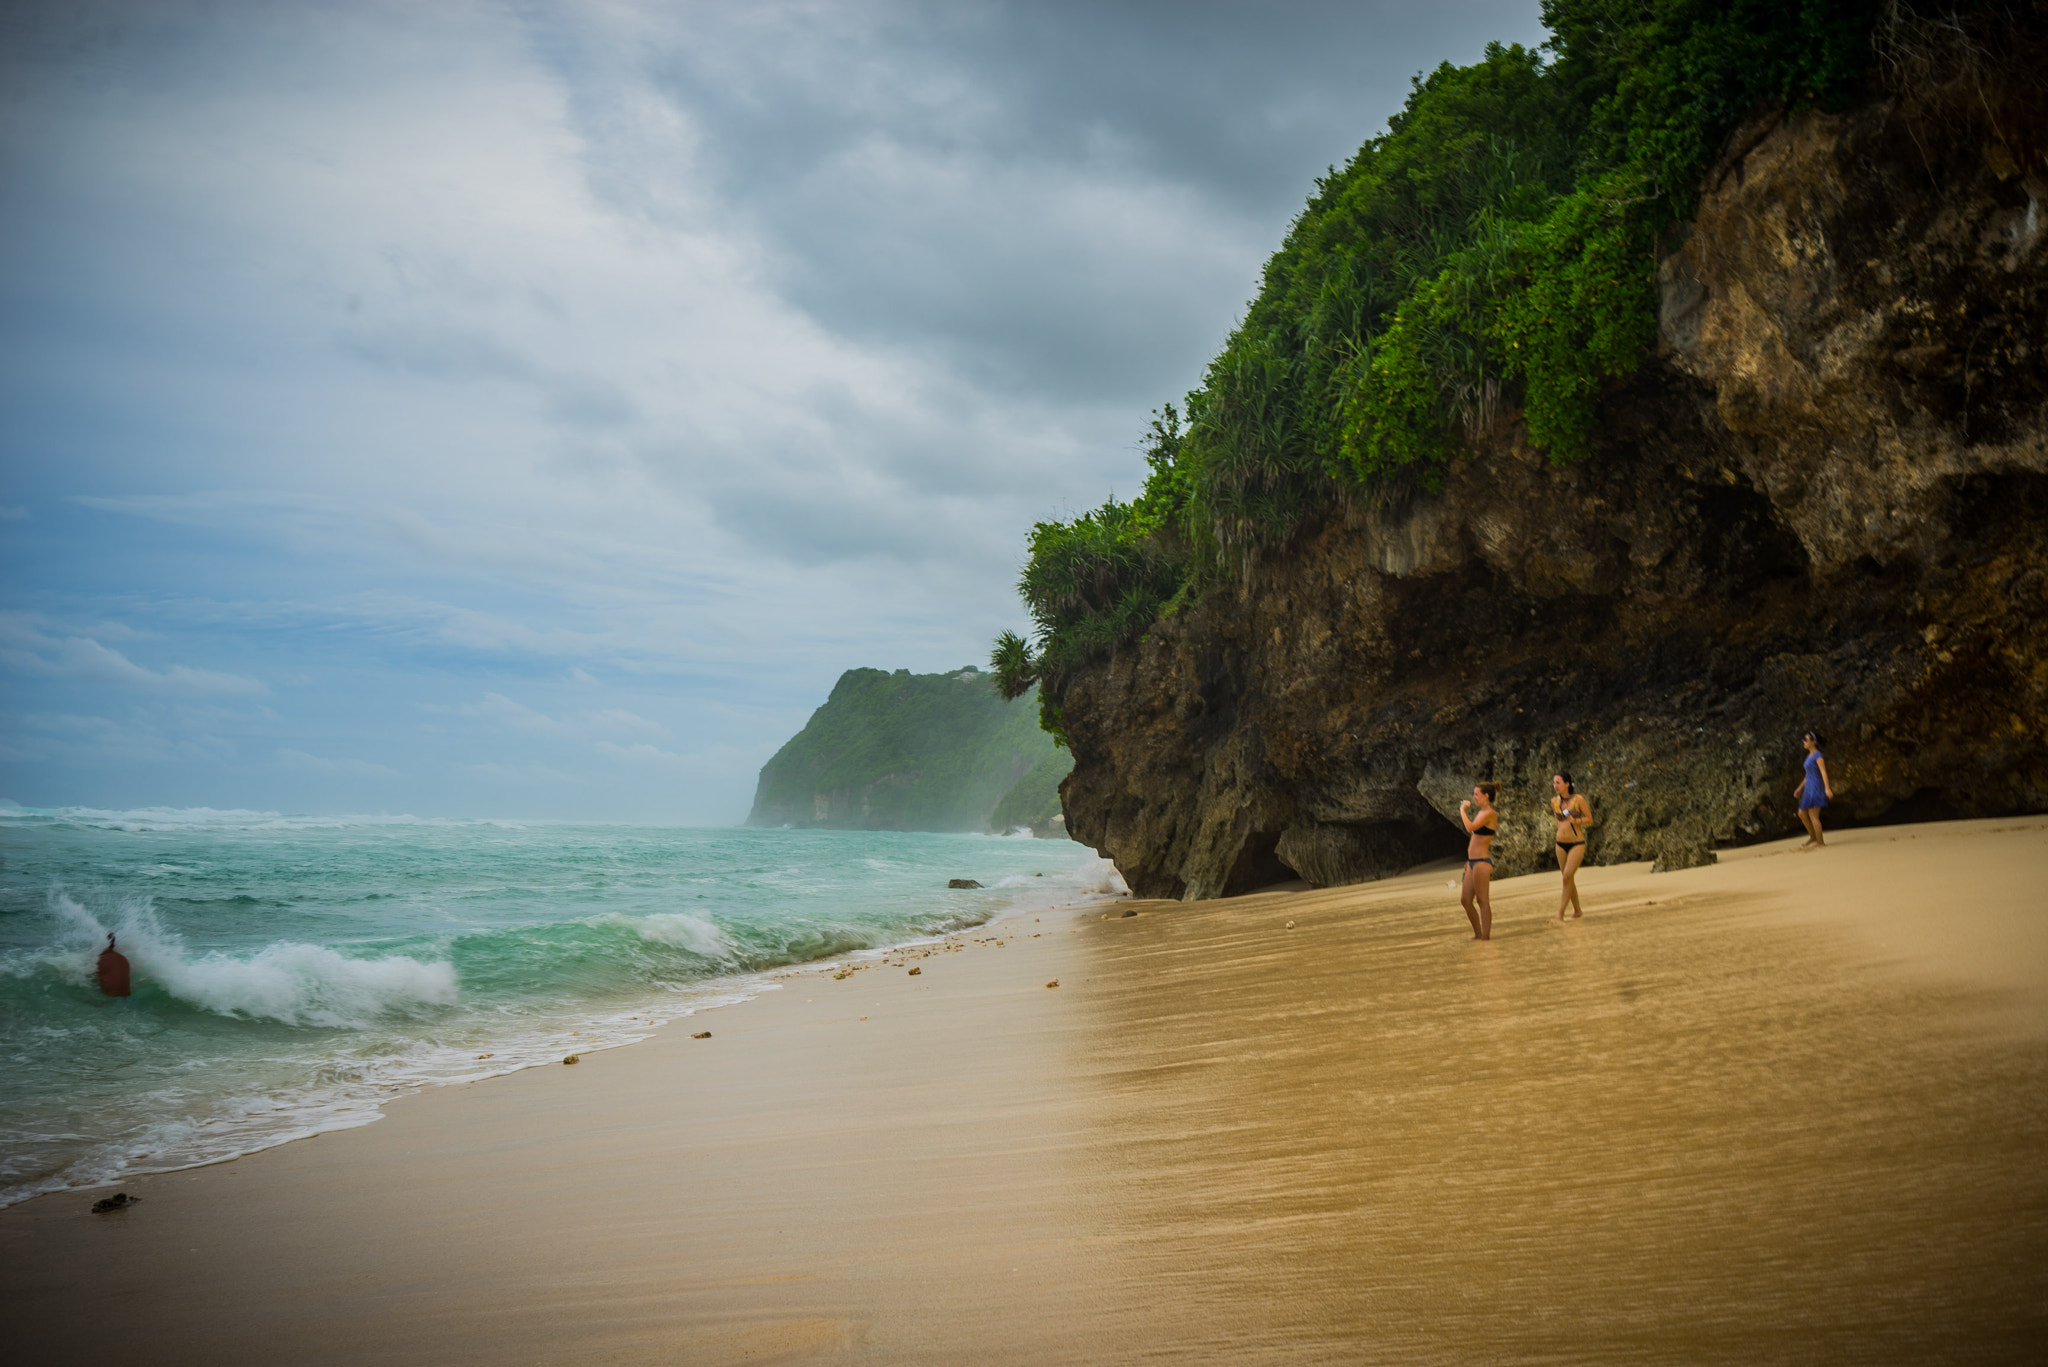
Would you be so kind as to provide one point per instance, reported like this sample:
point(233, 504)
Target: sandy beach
point(1787, 1108)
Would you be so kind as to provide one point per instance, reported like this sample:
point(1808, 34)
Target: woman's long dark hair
point(1818, 743)
point(1568, 789)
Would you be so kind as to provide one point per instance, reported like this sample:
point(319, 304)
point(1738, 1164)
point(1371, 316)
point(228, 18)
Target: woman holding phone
point(1482, 825)
point(1573, 815)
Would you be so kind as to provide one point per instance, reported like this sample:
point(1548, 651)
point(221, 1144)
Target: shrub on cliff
point(1492, 251)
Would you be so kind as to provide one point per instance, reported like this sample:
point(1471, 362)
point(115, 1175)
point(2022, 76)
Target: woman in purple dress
point(1813, 792)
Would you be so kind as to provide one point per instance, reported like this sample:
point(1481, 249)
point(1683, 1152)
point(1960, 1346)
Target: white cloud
point(517, 716)
point(640, 752)
point(26, 649)
point(94, 742)
point(525, 774)
point(318, 764)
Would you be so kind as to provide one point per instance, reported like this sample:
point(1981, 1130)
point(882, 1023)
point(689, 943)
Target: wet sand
point(1791, 1108)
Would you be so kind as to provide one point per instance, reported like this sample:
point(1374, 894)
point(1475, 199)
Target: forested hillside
point(913, 752)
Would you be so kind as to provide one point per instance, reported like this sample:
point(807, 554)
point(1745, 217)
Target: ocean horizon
point(293, 973)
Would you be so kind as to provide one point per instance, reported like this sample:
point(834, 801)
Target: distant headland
point(916, 752)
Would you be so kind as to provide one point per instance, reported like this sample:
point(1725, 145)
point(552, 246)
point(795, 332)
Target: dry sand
point(1792, 1108)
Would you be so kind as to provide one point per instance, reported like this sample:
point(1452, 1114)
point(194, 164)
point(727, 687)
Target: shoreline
point(1740, 1111)
point(539, 1046)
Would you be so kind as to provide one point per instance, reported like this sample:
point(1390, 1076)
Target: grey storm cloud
point(1067, 197)
point(603, 359)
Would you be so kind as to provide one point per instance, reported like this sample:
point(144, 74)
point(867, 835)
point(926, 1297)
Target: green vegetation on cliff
point(910, 752)
point(1492, 253)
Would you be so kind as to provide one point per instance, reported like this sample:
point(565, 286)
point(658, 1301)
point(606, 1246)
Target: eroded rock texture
point(1824, 505)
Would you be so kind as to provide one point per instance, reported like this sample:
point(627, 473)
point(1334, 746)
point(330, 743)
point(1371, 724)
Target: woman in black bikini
point(1483, 825)
point(1573, 815)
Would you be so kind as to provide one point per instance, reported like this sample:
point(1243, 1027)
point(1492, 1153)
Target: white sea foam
point(1099, 877)
point(686, 932)
point(1096, 878)
point(295, 984)
point(199, 819)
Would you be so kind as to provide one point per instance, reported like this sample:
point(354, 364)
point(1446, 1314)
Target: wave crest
point(288, 982)
point(686, 932)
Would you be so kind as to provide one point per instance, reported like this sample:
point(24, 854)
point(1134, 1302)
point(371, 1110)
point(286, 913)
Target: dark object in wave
point(112, 970)
point(961, 883)
point(120, 1200)
point(702, 1034)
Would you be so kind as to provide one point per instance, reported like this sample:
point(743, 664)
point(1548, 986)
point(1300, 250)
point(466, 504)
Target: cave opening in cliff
point(1258, 865)
point(1924, 805)
point(1743, 545)
point(1997, 512)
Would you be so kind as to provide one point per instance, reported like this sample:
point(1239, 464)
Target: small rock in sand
point(702, 1034)
point(915, 971)
point(1290, 925)
point(1128, 912)
point(573, 1058)
point(1054, 983)
point(120, 1200)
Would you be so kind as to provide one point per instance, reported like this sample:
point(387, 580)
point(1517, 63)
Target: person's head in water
point(1812, 740)
point(1561, 784)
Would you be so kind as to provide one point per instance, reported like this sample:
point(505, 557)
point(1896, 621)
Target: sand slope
point(1792, 1108)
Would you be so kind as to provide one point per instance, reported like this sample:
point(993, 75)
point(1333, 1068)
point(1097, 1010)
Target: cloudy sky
point(530, 408)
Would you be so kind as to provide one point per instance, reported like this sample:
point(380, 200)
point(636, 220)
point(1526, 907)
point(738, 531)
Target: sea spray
point(292, 983)
point(294, 973)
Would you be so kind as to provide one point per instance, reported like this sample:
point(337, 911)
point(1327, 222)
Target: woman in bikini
point(1573, 815)
point(1814, 791)
point(1483, 825)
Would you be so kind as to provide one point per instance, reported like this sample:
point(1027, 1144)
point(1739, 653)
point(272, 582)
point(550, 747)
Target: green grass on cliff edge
point(1492, 251)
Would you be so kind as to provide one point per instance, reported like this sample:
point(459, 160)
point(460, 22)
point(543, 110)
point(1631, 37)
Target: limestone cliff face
point(1823, 505)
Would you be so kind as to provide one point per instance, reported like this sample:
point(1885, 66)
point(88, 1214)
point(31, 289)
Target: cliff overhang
point(1821, 504)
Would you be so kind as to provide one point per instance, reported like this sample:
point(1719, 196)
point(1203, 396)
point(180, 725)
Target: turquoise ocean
point(293, 973)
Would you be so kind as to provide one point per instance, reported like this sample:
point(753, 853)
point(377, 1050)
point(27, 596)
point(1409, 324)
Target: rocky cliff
point(1822, 504)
